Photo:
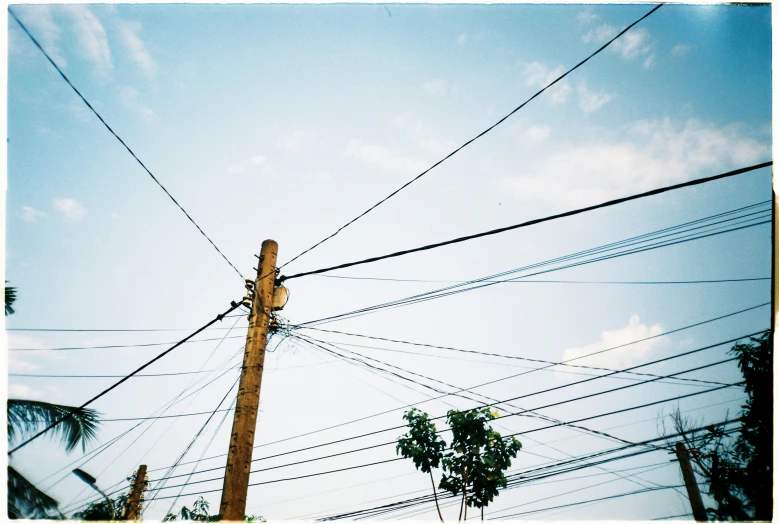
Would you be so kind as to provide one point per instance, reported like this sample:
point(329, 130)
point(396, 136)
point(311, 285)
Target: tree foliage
point(25, 501)
point(100, 510)
point(10, 298)
point(737, 468)
point(199, 512)
point(474, 465)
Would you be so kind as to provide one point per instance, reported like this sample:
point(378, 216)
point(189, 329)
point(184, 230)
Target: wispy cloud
point(622, 357)
point(439, 87)
point(681, 50)
point(256, 164)
point(421, 135)
point(538, 74)
point(382, 157)
point(30, 214)
point(70, 210)
point(590, 101)
point(650, 154)
point(92, 37)
point(636, 43)
point(40, 20)
point(22, 391)
point(292, 141)
point(129, 33)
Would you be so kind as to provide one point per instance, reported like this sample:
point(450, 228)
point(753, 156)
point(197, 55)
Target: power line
point(534, 221)
point(493, 126)
point(483, 353)
point(164, 416)
point(119, 346)
point(677, 330)
point(112, 376)
point(614, 246)
point(620, 282)
point(132, 153)
point(105, 391)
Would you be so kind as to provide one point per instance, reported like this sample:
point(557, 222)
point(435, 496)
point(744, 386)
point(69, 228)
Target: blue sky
point(285, 121)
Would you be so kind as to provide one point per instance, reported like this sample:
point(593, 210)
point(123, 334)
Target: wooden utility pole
point(239, 456)
point(132, 508)
point(694, 494)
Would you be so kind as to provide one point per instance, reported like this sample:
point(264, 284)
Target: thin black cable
point(483, 353)
point(34, 41)
point(621, 282)
point(115, 346)
point(622, 244)
point(493, 126)
point(147, 364)
point(113, 376)
point(608, 203)
point(556, 424)
point(443, 292)
point(677, 330)
point(164, 416)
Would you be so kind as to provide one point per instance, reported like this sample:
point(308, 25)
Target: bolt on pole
point(239, 456)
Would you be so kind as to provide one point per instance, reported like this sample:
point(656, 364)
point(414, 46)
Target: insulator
point(249, 282)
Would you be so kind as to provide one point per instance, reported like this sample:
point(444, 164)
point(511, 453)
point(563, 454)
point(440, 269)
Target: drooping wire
point(532, 222)
point(493, 126)
point(132, 153)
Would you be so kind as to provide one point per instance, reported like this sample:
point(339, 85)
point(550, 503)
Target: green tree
point(474, 466)
point(25, 418)
point(738, 468)
point(10, 298)
point(423, 446)
point(100, 510)
point(199, 512)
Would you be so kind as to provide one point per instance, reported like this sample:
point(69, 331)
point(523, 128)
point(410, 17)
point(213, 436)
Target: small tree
point(738, 469)
point(423, 445)
point(475, 465)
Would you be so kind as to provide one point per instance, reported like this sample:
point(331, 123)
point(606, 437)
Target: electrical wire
point(107, 390)
point(621, 282)
point(493, 126)
point(121, 346)
point(533, 221)
point(132, 153)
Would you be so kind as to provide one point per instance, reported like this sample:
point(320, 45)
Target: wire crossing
point(469, 142)
point(534, 221)
point(132, 153)
point(105, 391)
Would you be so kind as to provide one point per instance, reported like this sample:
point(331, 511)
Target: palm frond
point(10, 298)
point(25, 417)
point(25, 501)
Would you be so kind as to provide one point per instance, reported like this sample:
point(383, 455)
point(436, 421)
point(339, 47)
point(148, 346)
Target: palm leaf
point(10, 298)
point(26, 417)
point(25, 501)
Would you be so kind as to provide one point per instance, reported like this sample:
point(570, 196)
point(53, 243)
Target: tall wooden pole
point(694, 494)
point(133, 505)
point(239, 456)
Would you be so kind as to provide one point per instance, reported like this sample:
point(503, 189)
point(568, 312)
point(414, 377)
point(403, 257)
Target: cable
point(88, 402)
point(628, 282)
point(493, 126)
point(34, 41)
point(165, 416)
point(113, 376)
point(451, 290)
point(534, 221)
point(121, 346)
point(490, 354)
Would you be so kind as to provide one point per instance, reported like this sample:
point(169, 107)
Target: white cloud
point(586, 17)
point(255, 164)
point(92, 37)
point(622, 357)
point(650, 154)
point(22, 391)
point(30, 214)
point(535, 134)
point(681, 50)
point(382, 157)
point(292, 141)
point(319, 176)
point(39, 18)
point(590, 101)
point(421, 135)
point(636, 43)
point(128, 31)
point(540, 75)
point(439, 86)
point(20, 366)
point(26, 342)
point(70, 210)
point(130, 97)
point(463, 38)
